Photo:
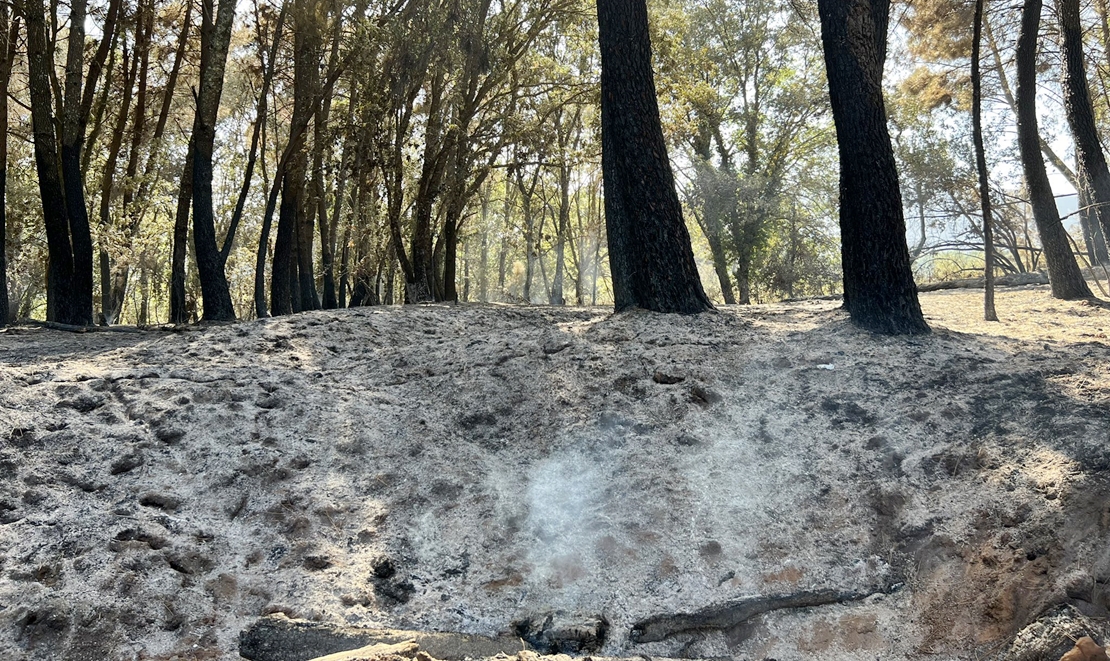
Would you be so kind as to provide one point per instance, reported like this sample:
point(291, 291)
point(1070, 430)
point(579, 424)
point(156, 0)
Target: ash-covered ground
point(467, 467)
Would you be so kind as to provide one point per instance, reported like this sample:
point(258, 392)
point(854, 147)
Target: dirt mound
point(475, 468)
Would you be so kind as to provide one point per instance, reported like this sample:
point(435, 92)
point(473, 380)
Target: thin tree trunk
point(327, 231)
point(879, 291)
point(1064, 276)
point(268, 67)
point(107, 186)
point(989, 313)
point(179, 313)
point(1093, 236)
point(650, 254)
point(9, 32)
point(118, 289)
point(561, 230)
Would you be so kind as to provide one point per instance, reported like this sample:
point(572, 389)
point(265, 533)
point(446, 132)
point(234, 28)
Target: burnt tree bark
point(9, 32)
point(64, 303)
point(1091, 169)
point(215, 38)
point(292, 285)
point(650, 255)
point(989, 313)
point(1063, 272)
point(179, 312)
point(107, 188)
point(268, 67)
point(879, 291)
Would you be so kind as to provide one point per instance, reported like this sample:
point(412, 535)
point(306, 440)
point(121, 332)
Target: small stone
point(190, 561)
point(126, 463)
point(82, 403)
point(169, 435)
point(666, 378)
point(161, 501)
point(317, 562)
point(552, 347)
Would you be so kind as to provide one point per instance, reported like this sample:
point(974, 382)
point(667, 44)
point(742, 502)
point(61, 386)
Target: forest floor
point(464, 468)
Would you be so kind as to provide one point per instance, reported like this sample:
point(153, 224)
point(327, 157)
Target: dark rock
point(702, 396)
point(127, 463)
point(82, 482)
point(710, 549)
point(317, 562)
point(278, 638)
point(666, 378)
point(8, 512)
point(161, 501)
point(169, 435)
point(552, 347)
point(82, 403)
point(155, 542)
point(189, 561)
point(270, 402)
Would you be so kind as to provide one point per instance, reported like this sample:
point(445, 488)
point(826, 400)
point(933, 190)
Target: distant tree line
point(185, 160)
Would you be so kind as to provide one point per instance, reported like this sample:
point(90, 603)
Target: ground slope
point(462, 468)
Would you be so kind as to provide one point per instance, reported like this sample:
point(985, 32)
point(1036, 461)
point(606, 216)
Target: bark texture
point(1064, 276)
point(9, 32)
point(215, 39)
point(879, 291)
point(650, 256)
point(989, 313)
point(64, 303)
point(1091, 169)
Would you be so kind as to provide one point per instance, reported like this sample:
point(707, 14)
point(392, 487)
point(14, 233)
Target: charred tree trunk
point(107, 188)
point(73, 139)
point(327, 227)
point(122, 273)
point(293, 246)
point(1064, 276)
point(179, 313)
point(650, 255)
point(268, 66)
point(420, 285)
point(215, 39)
point(9, 32)
point(1091, 169)
point(63, 302)
point(879, 292)
point(306, 72)
point(561, 228)
point(989, 313)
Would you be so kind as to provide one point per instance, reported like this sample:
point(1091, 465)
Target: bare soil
point(468, 468)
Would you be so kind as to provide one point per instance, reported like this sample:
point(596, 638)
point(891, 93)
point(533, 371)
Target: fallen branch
point(729, 615)
point(71, 328)
point(1011, 280)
